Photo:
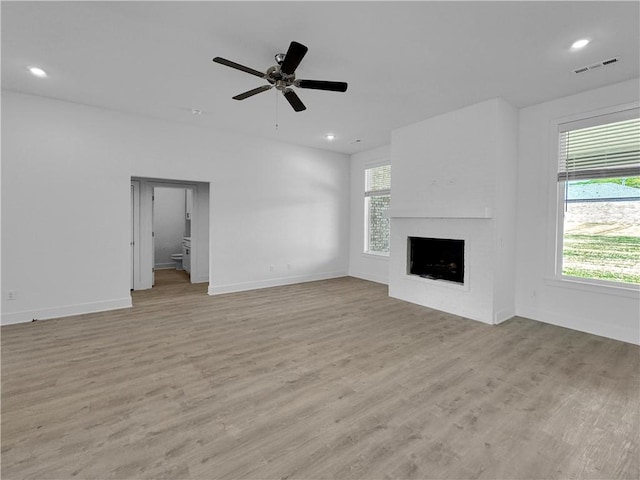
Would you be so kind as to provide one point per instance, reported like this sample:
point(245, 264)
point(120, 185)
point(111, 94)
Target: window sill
point(377, 256)
point(607, 288)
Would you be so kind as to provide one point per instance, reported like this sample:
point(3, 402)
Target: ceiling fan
point(283, 77)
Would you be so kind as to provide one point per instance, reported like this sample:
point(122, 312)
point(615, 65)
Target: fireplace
point(436, 258)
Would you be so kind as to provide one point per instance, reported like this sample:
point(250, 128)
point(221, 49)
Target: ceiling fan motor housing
point(280, 80)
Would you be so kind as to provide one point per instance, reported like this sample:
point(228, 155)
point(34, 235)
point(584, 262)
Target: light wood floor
point(327, 379)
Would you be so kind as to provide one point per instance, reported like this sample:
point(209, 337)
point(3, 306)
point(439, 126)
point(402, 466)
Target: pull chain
point(276, 109)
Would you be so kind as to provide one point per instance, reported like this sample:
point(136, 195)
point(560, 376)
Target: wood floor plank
point(322, 380)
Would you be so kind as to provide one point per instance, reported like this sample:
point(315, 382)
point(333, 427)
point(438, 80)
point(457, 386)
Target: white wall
point(454, 177)
point(599, 310)
point(504, 210)
point(168, 224)
point(364, 265)
point(66, 216)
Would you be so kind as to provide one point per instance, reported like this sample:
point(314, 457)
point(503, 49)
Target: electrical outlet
point(272, 268)
point(11, 295)
point(288, 266)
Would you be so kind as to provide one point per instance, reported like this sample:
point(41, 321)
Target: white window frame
point(376, 193)
point(557, 200)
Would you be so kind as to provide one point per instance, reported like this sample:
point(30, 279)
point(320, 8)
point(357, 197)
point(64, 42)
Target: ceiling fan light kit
point(282, 76)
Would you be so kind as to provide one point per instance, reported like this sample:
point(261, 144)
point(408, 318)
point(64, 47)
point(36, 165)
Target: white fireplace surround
point(472, 299)
point(446, 188)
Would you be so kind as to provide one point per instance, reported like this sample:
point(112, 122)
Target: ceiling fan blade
point(294, 100)
point(253, 92)
point(322, 85)
point(237, 66)
point(293, 57)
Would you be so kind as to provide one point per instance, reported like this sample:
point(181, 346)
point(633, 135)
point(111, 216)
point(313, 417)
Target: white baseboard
point(65, 311)
point(503, 315)
point(607, 330)
point(370, 277)
point(276, 282)
point(165, 266)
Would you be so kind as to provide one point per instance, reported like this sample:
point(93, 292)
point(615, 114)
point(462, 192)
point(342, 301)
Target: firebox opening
point(436, 258)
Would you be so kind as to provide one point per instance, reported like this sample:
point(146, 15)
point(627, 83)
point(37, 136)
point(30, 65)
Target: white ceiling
point(403, 61)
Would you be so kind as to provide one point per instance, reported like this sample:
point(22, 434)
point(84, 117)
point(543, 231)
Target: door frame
point(142, 263)
point(135, 236)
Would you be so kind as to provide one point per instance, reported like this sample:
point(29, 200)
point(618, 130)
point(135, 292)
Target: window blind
point(378, 181)
point(607, 150)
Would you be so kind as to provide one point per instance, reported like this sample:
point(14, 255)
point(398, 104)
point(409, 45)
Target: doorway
point(170, 230)
point(172, 214)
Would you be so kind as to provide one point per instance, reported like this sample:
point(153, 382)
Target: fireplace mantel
point(467, 212)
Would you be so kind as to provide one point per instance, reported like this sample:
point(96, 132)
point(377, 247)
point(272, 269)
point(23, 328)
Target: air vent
point(594, 66)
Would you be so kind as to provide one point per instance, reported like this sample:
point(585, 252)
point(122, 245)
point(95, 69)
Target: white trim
point(368, 194)
point(503, 315)
point(276, 282)
point(370, 277)
point(607, 329)
point(378, 193)
point(199, 279)
point(165, 266)
point(144, 242)
point(168, 183)
point(558, 236)
point(576, 117)
point(466, 212)
point(194, 218)
point(145, 230)
point(593, 286)
point(555, 225)
point(66, 311)
point(135, 224)
point(375, 255)
point(600, 117)
point(377, 162)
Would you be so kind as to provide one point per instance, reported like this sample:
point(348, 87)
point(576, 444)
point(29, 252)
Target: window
point(599, 185)
point(377, 196)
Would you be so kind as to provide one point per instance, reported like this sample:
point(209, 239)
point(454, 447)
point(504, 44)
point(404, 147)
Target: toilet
point(177, 257)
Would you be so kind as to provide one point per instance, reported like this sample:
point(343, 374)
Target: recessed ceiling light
point(195, 111)
point(578, 44)
point(38, 72)
point(329, 136)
